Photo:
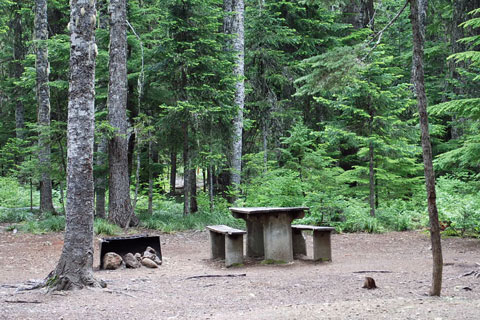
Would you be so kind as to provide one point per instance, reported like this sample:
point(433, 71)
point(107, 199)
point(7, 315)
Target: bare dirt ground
point(300, 290)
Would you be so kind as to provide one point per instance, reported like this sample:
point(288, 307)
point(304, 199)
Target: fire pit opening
point(132, 244)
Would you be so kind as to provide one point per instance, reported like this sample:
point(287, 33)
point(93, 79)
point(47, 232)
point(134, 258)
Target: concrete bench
point(226, 243)
point(322, 249)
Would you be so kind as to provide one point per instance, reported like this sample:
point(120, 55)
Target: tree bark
point(74, 269)
point(371, 179)
point(150, 174)
point(211, 194)
point(186, 170)
point(459, 15)
point(360, 13)
point(234, 25)
point(265, 145)
point(100, 179)
point(417, 12)
point(422, 21)
point(19, 51)
point(43, 102)
point(120, 207)
point(173, 172)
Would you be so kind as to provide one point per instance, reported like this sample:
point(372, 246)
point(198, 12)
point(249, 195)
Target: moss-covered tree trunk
point(74, 269)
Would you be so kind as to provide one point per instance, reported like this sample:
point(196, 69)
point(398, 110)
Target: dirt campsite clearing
point(190, 285)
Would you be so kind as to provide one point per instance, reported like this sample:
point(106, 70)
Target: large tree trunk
point(17, 70)
point(233, 24)
point(102, 147)
point(100, 179)
point(359, 13)
point(422, 21)
point(120, 207)
point(43, 101)
point(417, 12)
point(74, 270)
point(186, 170)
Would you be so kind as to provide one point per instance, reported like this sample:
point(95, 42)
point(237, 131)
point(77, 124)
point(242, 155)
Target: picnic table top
point(309, 227)
point(225, 229)
point(266, 210)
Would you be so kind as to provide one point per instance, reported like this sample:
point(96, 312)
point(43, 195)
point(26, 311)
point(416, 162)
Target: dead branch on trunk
point(380, 33)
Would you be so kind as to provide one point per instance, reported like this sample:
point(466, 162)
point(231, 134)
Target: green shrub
point(458, 205)
point(8, 215)
point(14, 195)
point(42, 224)
point(170, 217)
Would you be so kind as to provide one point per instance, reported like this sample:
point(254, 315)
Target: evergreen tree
point(120, 208)
point(43, 101)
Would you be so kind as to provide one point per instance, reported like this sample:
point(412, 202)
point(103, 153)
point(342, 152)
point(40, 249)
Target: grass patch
point(42, 224)
point(102, 226)
point(170, 222)
point(169, 217)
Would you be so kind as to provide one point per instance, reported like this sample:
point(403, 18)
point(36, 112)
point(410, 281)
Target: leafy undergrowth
point(26, 221)
point(169, 217)
point(458, 205)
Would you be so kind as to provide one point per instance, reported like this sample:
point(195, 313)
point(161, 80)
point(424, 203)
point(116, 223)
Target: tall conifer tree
point(43, 103)
point(120, 207)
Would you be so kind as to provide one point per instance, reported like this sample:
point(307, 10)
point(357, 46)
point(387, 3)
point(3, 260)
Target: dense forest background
point(329, 121)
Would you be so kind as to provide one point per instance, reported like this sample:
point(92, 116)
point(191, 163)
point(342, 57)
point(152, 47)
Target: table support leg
point(322, 250)
point(254, 238)
point(217, 242)
point(277, 236)
point(234, 250)
point(298, 242)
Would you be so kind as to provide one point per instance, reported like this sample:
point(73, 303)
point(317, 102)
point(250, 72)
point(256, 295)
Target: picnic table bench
point(226, 243)
point(322, 249)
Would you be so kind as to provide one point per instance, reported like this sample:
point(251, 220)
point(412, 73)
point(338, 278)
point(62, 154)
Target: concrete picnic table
point(269, 231)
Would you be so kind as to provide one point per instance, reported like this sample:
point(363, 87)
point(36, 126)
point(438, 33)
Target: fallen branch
point(120, 292)
point(475, 273)
point(218, 276)
point(22, 301)
point(8, 286)
point(373, 271)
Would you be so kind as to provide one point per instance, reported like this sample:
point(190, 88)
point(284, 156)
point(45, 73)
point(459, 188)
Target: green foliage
point(8, 215)
point(15, 195)
point(103, 227)
point(318, 98)
point(42, 224)
point(458, 204)
point(170, 218)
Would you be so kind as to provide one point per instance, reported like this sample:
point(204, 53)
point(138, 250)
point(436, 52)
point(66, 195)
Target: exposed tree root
point(72, 282)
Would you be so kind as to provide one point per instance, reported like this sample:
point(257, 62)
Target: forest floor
point(300, 290)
